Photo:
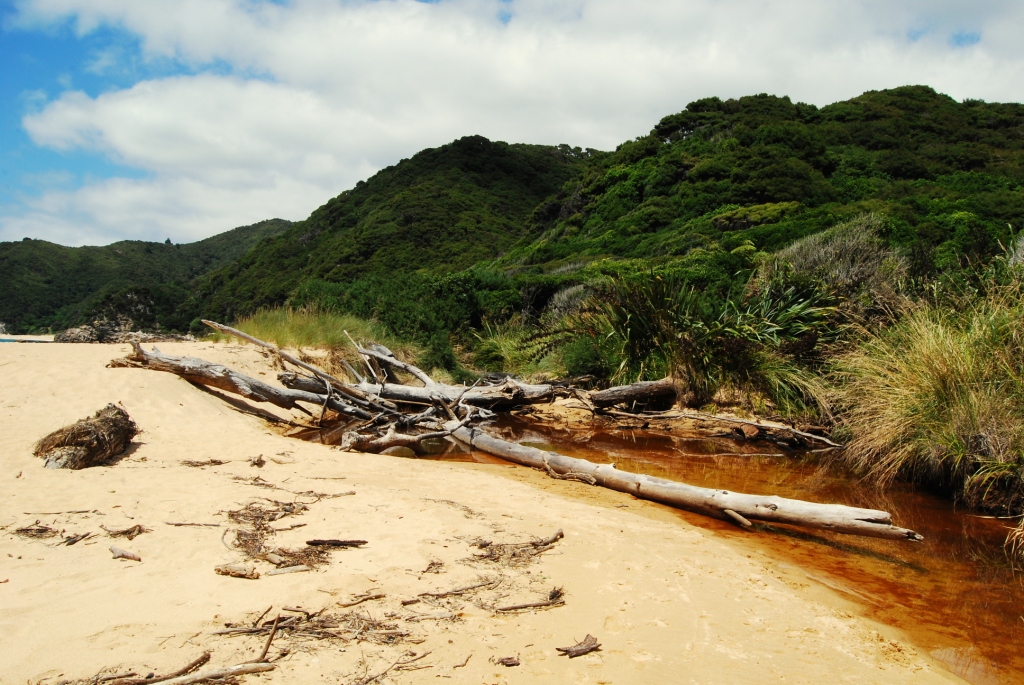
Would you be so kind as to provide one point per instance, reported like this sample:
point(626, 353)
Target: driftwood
point(237, 571)
point(223, 378)
point(124, 554)
point(584, 646)
point(555, 598)
point(835, 517)
point(185, 670)
point(219, 674)
point(507, 395)
point(335, 543)
point(454, 401)
point(336, 384)
point(642, 392)
point(88, 442)
point(300, 568)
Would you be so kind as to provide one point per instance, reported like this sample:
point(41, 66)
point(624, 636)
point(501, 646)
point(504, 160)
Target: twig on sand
point(555, 598)
point(400, 664)
point(359, 599)
point(130, 533)
point(184, 670)
point(270, 639)
point(208, 525)
point(486, 583)
point(218, 675)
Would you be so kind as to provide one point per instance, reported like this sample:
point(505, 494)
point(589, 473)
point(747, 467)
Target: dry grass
point(939, 398)
point(313, 328)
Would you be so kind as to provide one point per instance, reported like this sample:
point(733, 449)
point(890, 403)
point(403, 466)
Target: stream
point(954, 594)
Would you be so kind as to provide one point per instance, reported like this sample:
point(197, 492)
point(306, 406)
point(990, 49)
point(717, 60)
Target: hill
point(478, 231)
point(443, 210)
point(757, 173)
point(45, 285)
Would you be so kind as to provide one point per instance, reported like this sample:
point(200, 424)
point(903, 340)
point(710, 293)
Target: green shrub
point(939, 398)
point(664, 327)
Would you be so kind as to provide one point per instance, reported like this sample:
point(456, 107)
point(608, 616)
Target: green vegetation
point(838, 263)
point(938, 397)
point(441, 211)
point(46, 286)
point(314, 331)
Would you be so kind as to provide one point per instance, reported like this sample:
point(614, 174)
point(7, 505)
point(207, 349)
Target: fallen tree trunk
point(643, 392)
point(508, 395)
point(223, 378)
point(338, 385)
point(838, 518)
point(355, 442)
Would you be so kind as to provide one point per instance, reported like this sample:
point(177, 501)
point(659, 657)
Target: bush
point(663, 327)
point(939, 398)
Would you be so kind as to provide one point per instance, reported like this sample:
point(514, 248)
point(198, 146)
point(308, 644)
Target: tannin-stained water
point(954, 594)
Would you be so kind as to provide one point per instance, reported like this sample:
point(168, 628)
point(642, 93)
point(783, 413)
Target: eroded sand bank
point(668, 602)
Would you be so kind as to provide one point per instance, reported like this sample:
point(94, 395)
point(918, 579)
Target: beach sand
point(668, 601)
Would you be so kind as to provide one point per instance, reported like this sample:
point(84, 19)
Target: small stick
point(270, 638)
point(288, 569)
point(738, 518)
point(461, 590)
point(463, 664)
point(361, 599)
point(116, 677)
point(210, 525)
point(256, 623)
point(219, 673)
point(188, 668)
point(366, 360)
point(335, 543)
point(555, 598)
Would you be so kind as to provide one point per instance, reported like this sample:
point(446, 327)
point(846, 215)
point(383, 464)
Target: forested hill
point(478, 231)
point(44, 285)
point(761, 171)
point(443, 210)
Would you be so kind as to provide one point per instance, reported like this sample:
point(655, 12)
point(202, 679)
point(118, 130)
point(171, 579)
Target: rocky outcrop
point(113, 332)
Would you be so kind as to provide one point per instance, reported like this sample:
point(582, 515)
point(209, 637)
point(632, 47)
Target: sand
point(669, 602)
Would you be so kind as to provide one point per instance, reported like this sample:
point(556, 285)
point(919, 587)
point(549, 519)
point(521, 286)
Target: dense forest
point(52, 287)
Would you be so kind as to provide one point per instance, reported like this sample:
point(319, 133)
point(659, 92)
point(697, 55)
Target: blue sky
point(144, 119)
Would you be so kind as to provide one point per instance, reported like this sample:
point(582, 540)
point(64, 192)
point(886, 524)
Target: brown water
point(953, 594)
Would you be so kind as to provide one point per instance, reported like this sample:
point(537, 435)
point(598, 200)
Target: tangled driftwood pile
point(380, 412)
point(90, 441)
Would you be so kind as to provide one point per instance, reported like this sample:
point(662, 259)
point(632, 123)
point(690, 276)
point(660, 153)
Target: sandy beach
point(668, 601)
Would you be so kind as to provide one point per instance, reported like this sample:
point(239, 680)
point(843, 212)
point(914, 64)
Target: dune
point(668, 602)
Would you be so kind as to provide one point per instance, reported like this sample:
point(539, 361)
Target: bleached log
point(223, 378)
point(838, 518)
point(509, 394)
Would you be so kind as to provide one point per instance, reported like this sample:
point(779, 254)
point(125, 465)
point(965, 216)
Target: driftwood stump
point(88, 442)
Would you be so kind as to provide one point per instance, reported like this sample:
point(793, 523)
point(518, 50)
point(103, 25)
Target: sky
point(151, 119)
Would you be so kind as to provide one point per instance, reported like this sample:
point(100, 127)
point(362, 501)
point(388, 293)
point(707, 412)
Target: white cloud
point(323, 92)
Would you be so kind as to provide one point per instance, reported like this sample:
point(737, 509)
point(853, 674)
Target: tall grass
point(310, 328)
point(939, 398)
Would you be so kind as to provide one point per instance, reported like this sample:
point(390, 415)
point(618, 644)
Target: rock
point(400, 452)
point(81, 334)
